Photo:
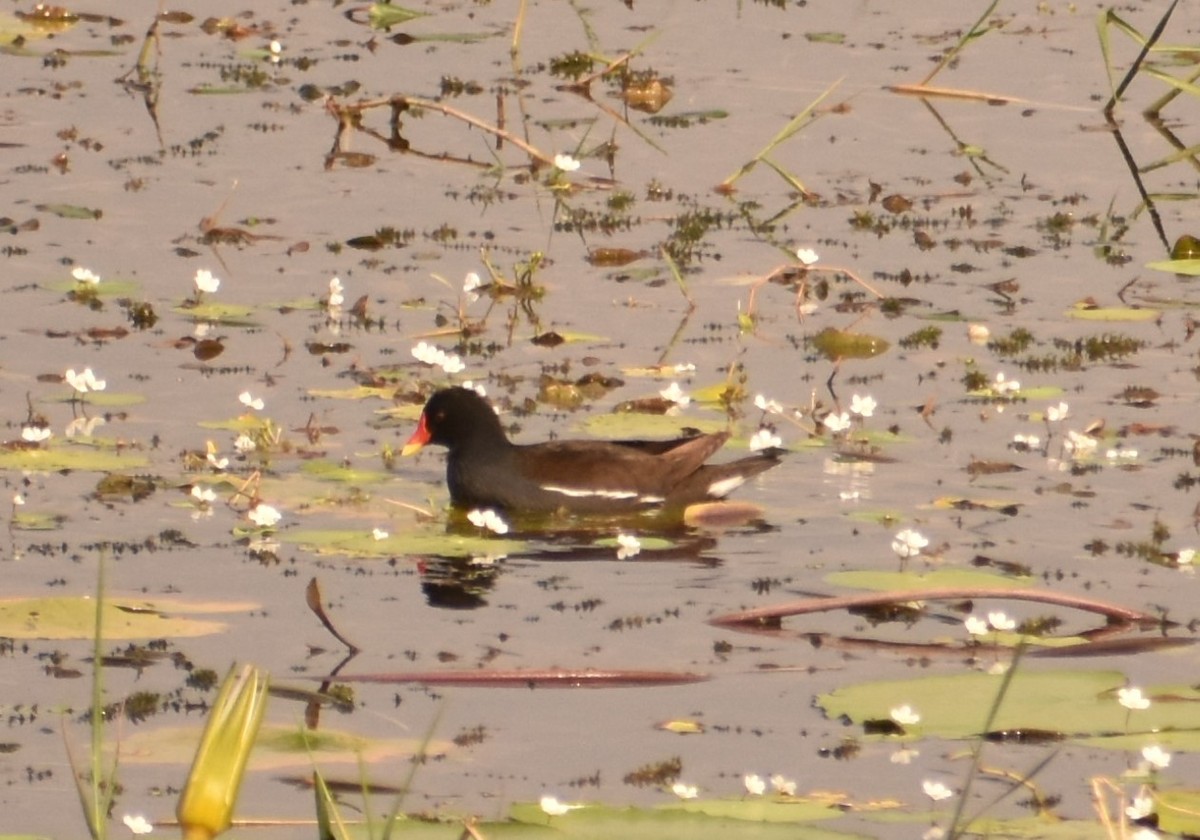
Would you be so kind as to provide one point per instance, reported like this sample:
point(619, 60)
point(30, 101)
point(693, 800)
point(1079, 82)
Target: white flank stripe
point(579, 494)
point(725, 486)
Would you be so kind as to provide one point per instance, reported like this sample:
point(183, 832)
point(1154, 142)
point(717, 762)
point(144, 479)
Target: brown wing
point(615, 469)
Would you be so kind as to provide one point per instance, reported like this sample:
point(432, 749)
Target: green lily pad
point(70, 211)
point(947, 578)
point(71, 457)
point(75, 618)
point(765, 819)
point(330, 471)
point(1112, 313)
point(360, 392)
point(364, 545)
point(385, 15)
point(629, 426)
point(1189, 266)
point(1072, 704)
point(839, 344)
point(31, 521)
point(276, 747)
point(1178, 812)
point(224, 313)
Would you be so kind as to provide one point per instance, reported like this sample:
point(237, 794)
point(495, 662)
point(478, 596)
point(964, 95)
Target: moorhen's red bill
point(486, 470)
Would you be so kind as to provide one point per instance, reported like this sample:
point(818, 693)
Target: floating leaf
point(70, 211)
point(825, 37)
point(363, 545)
point(882, 581)
point(224, 313)
point(629, 426)
point(1079, 704)
point(70, 457)
point(384, 15)
point(839, 344)
point(330, 471)
point(1189, 266)
point(277, 747)
point(1178, 811)
point(1112, 313)
point(75, 618)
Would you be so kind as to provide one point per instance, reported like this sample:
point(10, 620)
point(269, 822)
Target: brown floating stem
point(1112, 612)
point(533, 678)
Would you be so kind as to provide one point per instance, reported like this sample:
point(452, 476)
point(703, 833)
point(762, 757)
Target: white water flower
point(203, 495)
point(488, 519)
point(1001, 385)
point(205, 281)
point(137, 824)
point(84, 381)
point(782, 784)
point(378, 534)
point(1079, 445)
point(764, 438)
point(976, 626)
point(85, 275)
point(673, 393)
point(275, 51)
point(1055, 413)
point(837, 423)
point(264, 516)
point(769, 406)
point(1000, 621)
point(84, 426)
point(551, 807)
point(1133, 699)
point(250, 401)
point(244, 443)
point(565, 163)
point(1142, 805)
point(685, 791)
point(863, 406)
point(936, 790)
point(35, 434)
point(478, 388)
point(807, 256)
point(18, 500)
point(908, 543)
point(1159, 758)
point(905, 715)
point(336, 296)
point(436, 357)
point(628, 546)
point(978, 333)
point(755, 784)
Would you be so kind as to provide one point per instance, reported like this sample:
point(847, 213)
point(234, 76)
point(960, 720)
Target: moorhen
point(486, 470)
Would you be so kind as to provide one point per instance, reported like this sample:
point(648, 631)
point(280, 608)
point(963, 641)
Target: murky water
point(1031, 192)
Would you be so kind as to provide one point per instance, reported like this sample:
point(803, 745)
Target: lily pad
point(330, 471)
point(277, 747)
point(223, 313)
point(364, 545)
point(1189, 266)
point(75, 618)
point(949, 578)
point(840, 344)
point(1068, 704)
point(71, 457)
point(629, 426)
point(1113, 313)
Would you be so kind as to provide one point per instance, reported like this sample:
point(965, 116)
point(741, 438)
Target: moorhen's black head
point(455, 417)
